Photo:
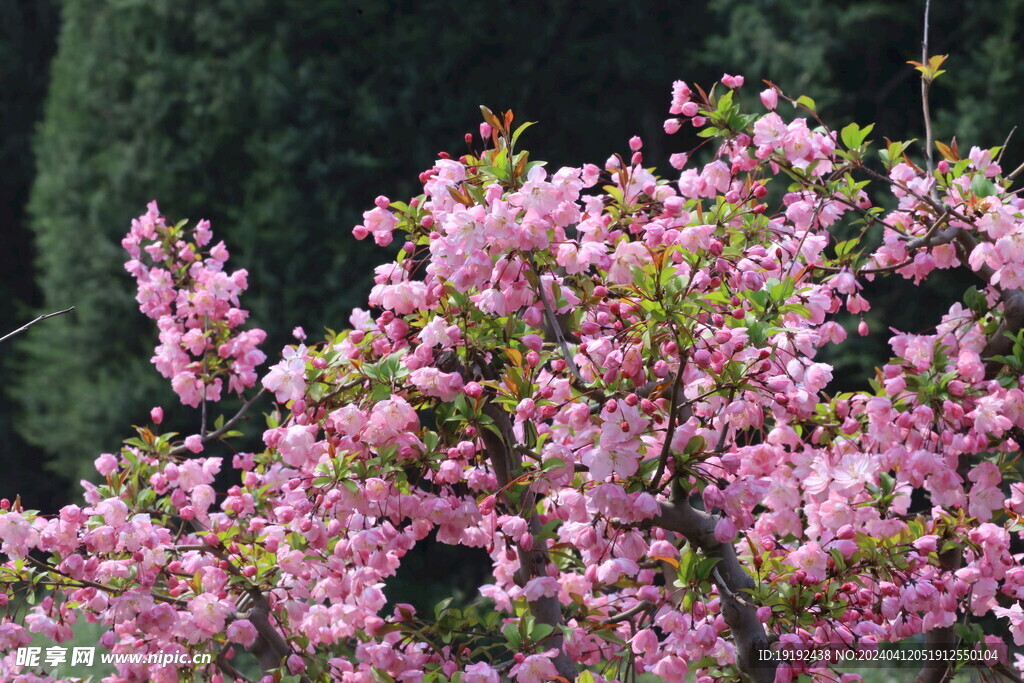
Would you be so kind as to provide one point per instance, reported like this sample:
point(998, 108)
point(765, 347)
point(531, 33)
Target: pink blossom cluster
point(609, 382)
point(184, 287)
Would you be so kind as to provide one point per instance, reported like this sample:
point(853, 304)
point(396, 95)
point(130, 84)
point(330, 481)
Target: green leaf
point(540, 632)
point(706, 566)
point(610, 637)
point(805, 101)
point(511, 633)
point(846, 246)
point(796, 308)
point(381, 676)
point(725, 102)
point(853, 136)
point(982, 186)
point(849, 135)
point(757, 332)
point(441, 607)
point(975, 300)
point(519, 131)
point(687, 562)
point(696, 444)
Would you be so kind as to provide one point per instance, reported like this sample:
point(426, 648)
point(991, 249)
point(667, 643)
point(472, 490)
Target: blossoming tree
point(607, 381)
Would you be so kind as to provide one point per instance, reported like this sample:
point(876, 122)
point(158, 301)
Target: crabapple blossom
point(195, 303)
point(609, 383)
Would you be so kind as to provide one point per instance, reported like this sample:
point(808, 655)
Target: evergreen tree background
point(281, 121)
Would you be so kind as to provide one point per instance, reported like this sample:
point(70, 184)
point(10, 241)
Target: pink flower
point(534, 669)
point(732, 81)
point(481, 672)
point(539, 587)
point(106, 464)
point(644, 642)
point(1016, 616)
point(811, 559)
point(287, 379)
point(680, 96)
point(981, 160)
point(296, 445)
point(725, 530)
point(209, 613)
point(769, 130)
point(432, 382)
point(989, 417)
point(242, 631)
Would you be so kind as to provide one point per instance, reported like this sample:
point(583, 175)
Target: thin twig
point(933, 237)
point(630, 613)
point(1016, 172)
point(925, 83)
point(39, 319)
point(216, 434)
point(99, 586)
point(1002, 150)
point(555, 326)
point(866, 271)
point(666, 448)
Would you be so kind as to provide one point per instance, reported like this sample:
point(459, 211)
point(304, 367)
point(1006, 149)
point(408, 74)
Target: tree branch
point(934, 237)
point(939, 670)
point(925, 84)
point(30, 324)
point(666, 448)
point(227, 426)
point(276, 648)
point(548, 609)
point(555, 325)
point(731, 579)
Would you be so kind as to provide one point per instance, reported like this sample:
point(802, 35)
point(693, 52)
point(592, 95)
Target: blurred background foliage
point(281, 121)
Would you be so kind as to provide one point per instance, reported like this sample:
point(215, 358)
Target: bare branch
point(1002, 150)
point(274, 648)
point(934, 236)
point(555, 326)
point(1016, 172)
point(925, 84)
point(636, 609)
point(673, 418)
point(30, 324)
point(228, 426)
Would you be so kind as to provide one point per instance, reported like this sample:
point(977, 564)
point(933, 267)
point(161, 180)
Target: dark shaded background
point(281, 121)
